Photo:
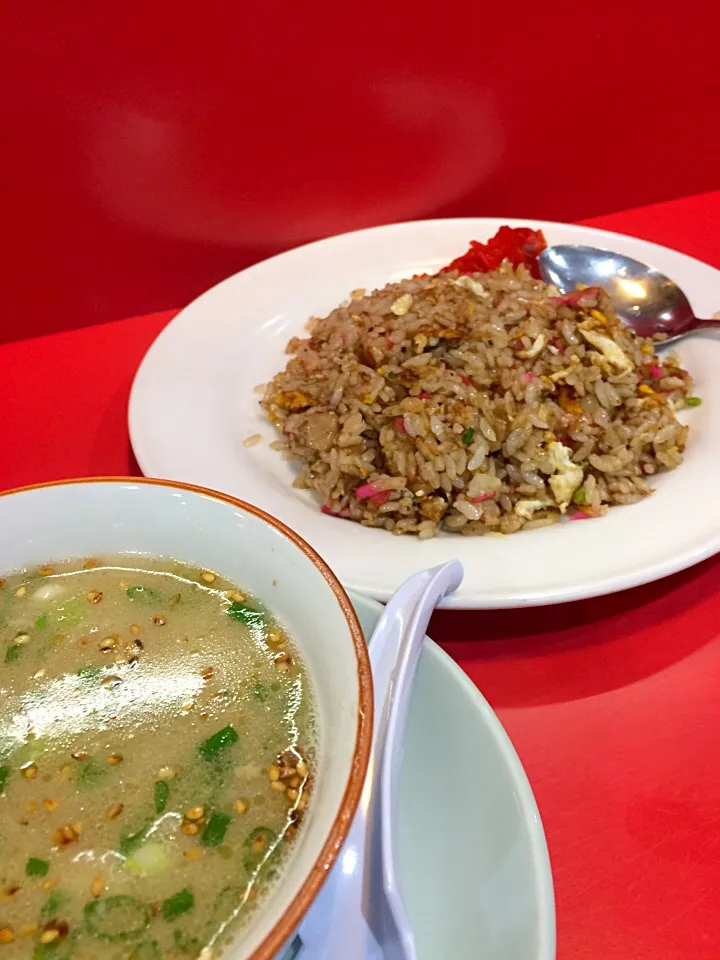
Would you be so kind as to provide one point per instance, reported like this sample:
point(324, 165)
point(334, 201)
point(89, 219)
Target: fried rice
point(478, 404)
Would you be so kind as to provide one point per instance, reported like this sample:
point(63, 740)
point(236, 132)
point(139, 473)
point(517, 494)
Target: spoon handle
point(697, 324)
point(397, 645)
point(713, 323)
point(350, 918)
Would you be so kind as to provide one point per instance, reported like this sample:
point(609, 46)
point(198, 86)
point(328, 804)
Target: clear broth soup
point(156, 750)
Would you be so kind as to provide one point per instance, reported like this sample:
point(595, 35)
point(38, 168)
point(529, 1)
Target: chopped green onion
point(4, 774)
point(258, 843)
point(178, 904)
point(260, 692)
point(147, 950)
point(116, 918)
point(143, 593)
point(187, 944)
point(579, 496)
point(693, 401)
point(89, 673)
point(161, 792)
point(36, 867)
point(215, 830)
point(56, 950)
point(225, 905)
point(51, 907)
point(214, 745)
point(131, 842)
point(71, 611)
point(245, 614)
point(41, 622)
point(89, 773)
point(468, 435)
point(392, 375)
point(13, 652)
point(149, 860)
point(31, 750)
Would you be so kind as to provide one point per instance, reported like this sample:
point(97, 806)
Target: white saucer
point(474, 863)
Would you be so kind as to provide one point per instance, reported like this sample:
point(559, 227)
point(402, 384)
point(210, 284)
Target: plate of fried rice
point(411, 393)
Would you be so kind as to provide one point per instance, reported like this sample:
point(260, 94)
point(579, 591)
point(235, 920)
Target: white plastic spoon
point(360, 913)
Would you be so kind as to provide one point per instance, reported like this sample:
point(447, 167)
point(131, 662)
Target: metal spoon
point(643, 298)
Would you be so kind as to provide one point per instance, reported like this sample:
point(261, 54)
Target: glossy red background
point(156, 147)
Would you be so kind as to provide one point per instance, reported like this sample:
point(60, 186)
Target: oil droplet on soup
point(156, 758)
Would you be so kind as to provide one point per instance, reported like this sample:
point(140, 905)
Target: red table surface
point(613, 704)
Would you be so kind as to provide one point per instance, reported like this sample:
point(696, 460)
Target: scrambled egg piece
point(526, 508)
point(561, 374)
point(608, 348)
point(566, 476)
point(402, 305)
point(535, 348)
point(293, 400)
point(472, 285)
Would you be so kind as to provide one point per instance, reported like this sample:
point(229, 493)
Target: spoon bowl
point(645, 299)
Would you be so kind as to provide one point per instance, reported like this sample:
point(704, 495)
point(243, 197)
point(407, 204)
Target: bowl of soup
point(185, 724)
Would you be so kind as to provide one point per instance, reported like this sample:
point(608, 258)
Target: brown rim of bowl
point(291, 918)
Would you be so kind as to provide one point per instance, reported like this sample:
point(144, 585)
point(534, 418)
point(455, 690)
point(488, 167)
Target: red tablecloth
point(613, 704)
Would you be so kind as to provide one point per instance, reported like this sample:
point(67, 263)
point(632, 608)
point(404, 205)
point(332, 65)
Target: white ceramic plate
point(193, 404)
point(473, 859)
